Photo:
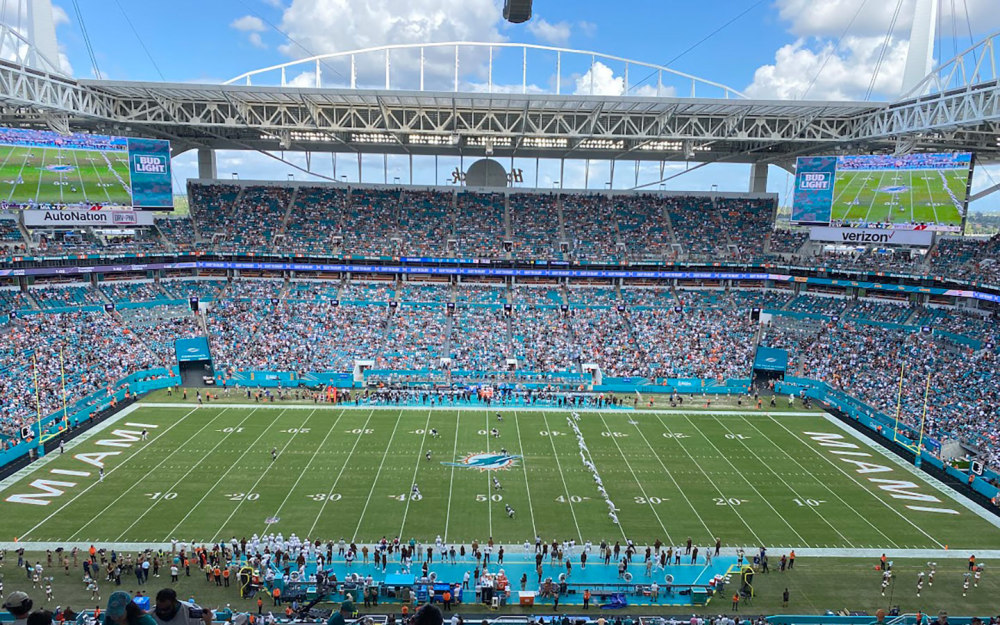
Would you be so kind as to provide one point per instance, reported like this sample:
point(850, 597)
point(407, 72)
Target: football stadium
point(466, 350)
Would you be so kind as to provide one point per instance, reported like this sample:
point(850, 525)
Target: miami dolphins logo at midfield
point(485, 461)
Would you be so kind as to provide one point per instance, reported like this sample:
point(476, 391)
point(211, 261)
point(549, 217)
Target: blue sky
point(765, 48)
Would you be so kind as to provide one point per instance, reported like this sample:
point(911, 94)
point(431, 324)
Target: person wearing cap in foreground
point(123, 611)
point(428, 615)
point(170, 611)
point(19, 605)
point(346, 610)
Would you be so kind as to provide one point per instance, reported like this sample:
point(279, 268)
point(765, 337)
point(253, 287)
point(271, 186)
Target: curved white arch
point(315, 63)
point(25, 53)
point(975, 65)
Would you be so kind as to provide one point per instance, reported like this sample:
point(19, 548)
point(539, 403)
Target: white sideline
point(515, 552)
point(549, 409)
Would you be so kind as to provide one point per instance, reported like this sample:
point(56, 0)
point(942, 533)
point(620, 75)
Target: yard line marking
point(782, 480)
point(180, 479)
point(451, 482)
point(309, 464)
point(423, 441)
point(822, 483)
point(81, 493)
point(489, 500)
point(337, 480)
point(569, 499)
point(637, 481)
point(217, 482)
point(524, 467)
point(853, 479)
point(749, 483)
point(378, 474)
point(757, 539)
point(215, 537)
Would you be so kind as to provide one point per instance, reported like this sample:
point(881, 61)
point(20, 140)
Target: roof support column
point(758, 178)
point(206, 164)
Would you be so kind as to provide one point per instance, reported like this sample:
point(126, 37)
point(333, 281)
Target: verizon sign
point(871, 236)
point(71, 218)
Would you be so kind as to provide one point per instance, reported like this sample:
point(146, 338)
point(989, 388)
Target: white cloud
point(326, 26)
point(842, 73)
point(599, 80)
point(277, 4)
point(554, 33)
point(831, 17)
point(588, 28)
point(59, 16)
point(248, 24)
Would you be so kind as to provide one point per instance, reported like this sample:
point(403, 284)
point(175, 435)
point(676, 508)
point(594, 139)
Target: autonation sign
point(871, 236)
point(74, 218)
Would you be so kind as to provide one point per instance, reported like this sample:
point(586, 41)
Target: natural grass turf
point(751, 478)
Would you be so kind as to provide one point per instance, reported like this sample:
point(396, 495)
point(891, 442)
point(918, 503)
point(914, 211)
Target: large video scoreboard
point(43, 169)
point(919, 189)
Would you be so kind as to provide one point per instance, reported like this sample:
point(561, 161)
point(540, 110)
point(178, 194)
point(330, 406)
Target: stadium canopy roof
point(955, 108)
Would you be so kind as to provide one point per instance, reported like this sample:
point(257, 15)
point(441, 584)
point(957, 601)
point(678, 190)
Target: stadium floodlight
point(545, 142)
point(602, 144)
point(517, 11)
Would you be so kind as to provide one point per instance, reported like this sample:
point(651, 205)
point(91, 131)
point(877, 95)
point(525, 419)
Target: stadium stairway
point(280, 234)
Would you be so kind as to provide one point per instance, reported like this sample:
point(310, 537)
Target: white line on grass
point(708, 479)
point(930, 480)
point(749, 483)
point(336, 481)
point(834, 493)
point(309, 464)
point(814, 509)
point(489, 492)
point(209, 490)
point(551, 409)
point(126, 460)
point(451, 482)
point(637, 481)
point(215, 537)
point(42, 462)
point(569, 499)
point(524, 467)
point(378, 474)
point(862, 486)
point(666, 471)
point(177, 481)
point(423, 441)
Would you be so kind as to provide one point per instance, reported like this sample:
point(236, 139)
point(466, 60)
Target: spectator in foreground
point(19, 605)
point(123, 611)
point(171, 611)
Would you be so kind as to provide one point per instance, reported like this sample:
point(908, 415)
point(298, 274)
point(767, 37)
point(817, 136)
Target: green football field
point(922, 196)
point(62, 176)
point(794, 480)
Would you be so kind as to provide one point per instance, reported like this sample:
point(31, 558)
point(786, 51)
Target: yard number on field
point(729, 501)
point(325, 497)
point(808, 502)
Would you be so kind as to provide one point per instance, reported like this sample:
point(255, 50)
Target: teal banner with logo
point(770, 359)
point(189, 350)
